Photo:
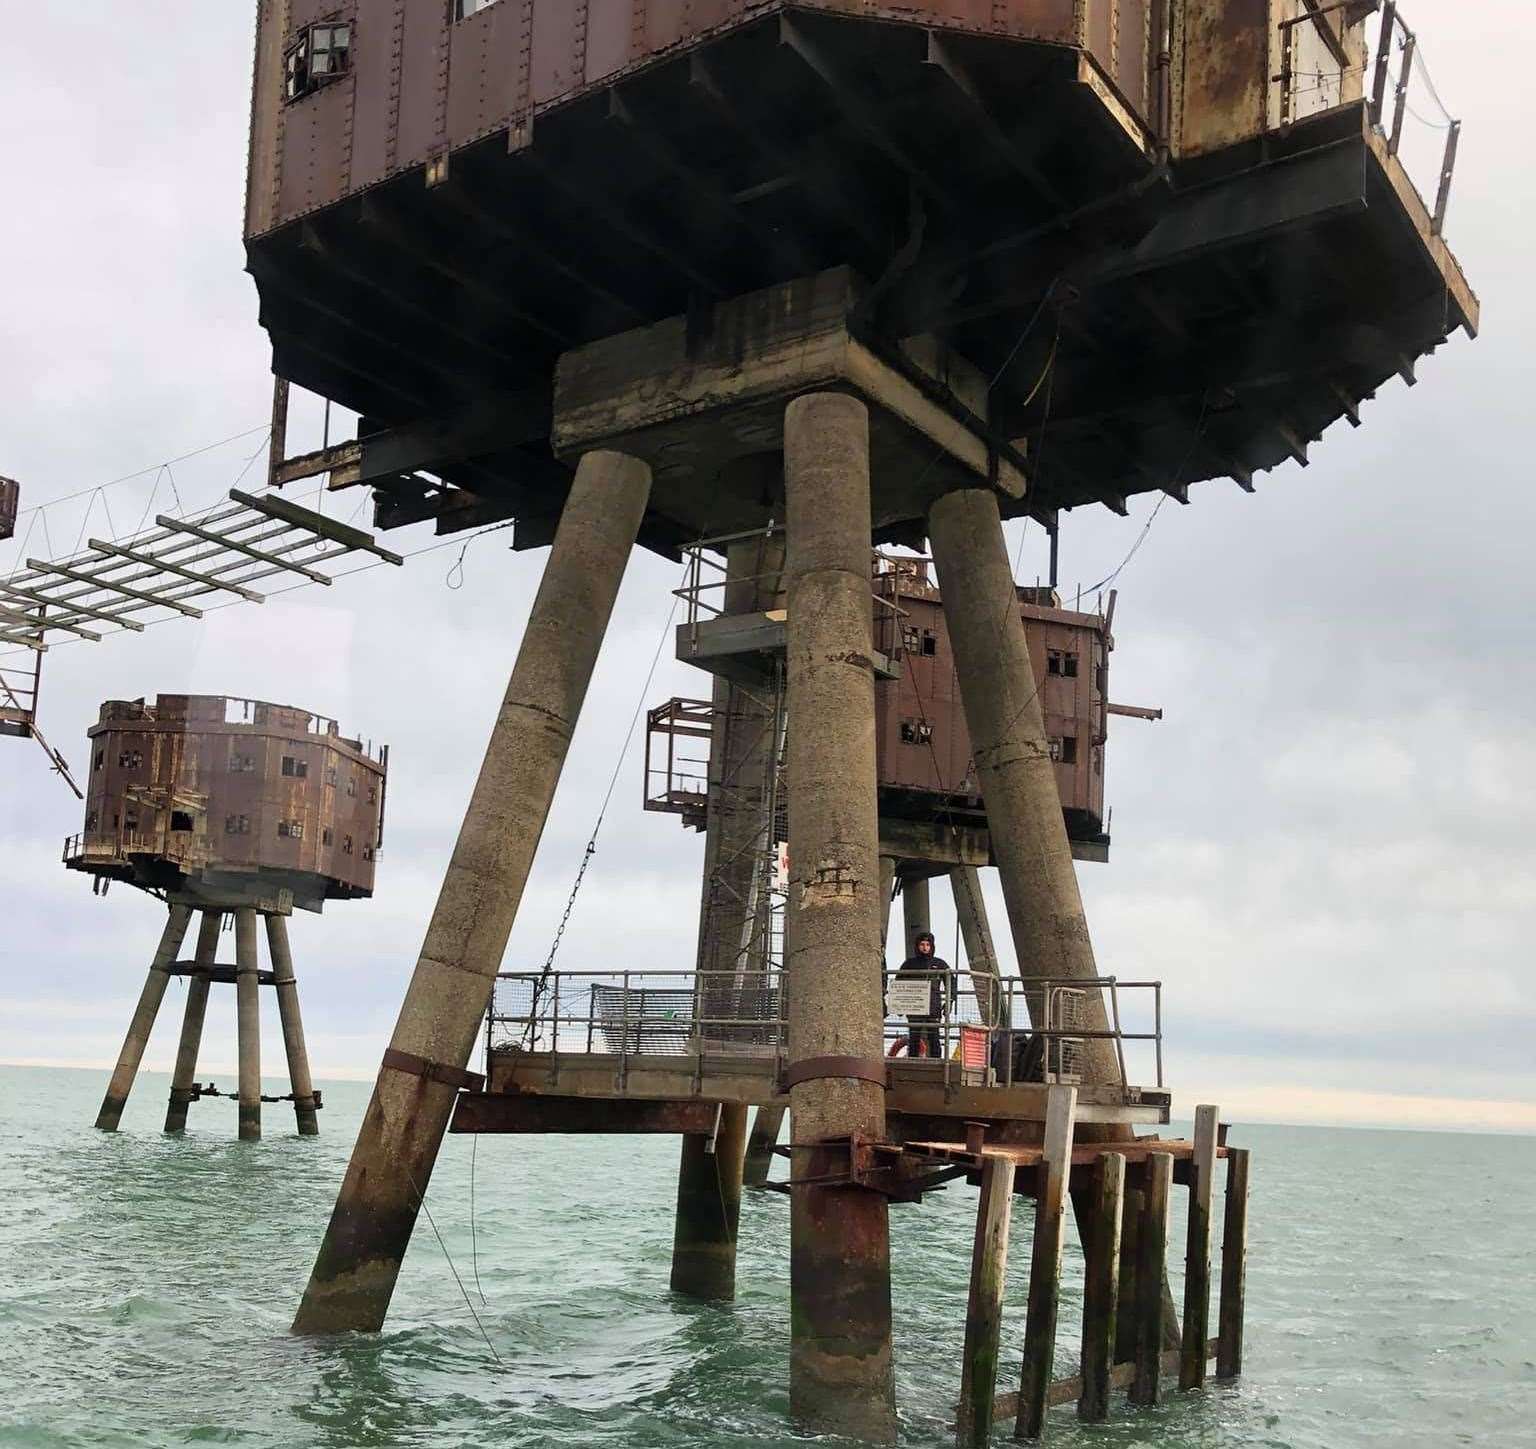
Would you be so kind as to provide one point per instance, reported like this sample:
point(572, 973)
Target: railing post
point(1383, 59)
point(1447, 168)
point(1400, 101)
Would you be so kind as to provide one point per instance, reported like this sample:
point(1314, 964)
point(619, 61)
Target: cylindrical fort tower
point(234, 808)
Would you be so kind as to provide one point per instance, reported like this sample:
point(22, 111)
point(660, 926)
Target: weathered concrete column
point(300, 1083)
point(359, 1261)
point(143, 1021)
point(1017, 779)
point(976, 932)
point(840, 1288)
point(1013, 760)
point(185, 1073)
point(248, 1023)
point(709, 1209)
point(915, 913)
point(732, 919)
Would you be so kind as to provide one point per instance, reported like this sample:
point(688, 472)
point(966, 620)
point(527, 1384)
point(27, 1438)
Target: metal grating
point(220, 554)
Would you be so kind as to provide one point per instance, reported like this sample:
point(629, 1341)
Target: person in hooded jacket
point(924, 1038)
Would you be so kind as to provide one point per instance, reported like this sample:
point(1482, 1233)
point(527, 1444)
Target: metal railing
point(1327, 59)
point(119, 845)
point(691, 1015)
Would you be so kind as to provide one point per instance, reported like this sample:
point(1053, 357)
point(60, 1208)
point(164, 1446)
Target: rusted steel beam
point(520, 1114)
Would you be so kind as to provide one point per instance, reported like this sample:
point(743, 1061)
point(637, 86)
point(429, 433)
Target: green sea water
point(147, 1283)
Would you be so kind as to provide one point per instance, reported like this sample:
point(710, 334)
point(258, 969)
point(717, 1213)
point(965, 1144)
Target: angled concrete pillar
point(976, 933)
point(143, 1021)
point(915, 913)
point(248, 1023)
point(840, 1291)
point(359, 1260)
point(301, 1084)
point(185, 1073)
point(1018, 781)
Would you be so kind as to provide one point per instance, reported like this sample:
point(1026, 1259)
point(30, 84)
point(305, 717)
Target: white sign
point(910, 997)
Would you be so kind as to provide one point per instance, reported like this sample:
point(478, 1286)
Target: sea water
point(147, 1284)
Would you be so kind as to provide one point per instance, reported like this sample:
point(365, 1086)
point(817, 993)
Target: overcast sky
point(1326, 850)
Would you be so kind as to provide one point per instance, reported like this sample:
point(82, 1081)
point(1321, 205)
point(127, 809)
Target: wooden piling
point(984, 1315)
point(1045, 1263)
point(1234, 1267)
point(1101, 1285)
point(1197, 1252)
point(1151, 1251)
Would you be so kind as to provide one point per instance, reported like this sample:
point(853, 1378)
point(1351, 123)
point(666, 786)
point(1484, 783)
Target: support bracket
point(415, 1066)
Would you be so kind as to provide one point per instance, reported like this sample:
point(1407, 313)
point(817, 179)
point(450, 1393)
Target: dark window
point(130, 759)
point(180, 820)
point(367, 852)
point(90, 819)
point(911, 638)
point(1061, 662)
point(916, 732)
point(237, 824)
point(320, 55)
point(373, 793)
point(291, 829)
point(930, 642)
point(130, 820)
point(330, 774)
point(346, 845)
point(298, 769)
point(1064, 750)
point(351, 784)
point(101, 759)
point(325, 836)
point(241, 764)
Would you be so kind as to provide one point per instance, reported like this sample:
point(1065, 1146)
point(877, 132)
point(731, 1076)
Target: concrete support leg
point(976, 933)
point(915, 913)
point(185, 1073)
point(248, 1024)
point(301, 1084)
point(840, 1288)
point(143, 1022)
point(1017, 778)
point(359, 1261)
point(733, 932)
point(766, 1125)
point(709, 1209)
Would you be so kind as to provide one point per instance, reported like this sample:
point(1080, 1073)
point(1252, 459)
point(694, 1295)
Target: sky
point(1326, 850)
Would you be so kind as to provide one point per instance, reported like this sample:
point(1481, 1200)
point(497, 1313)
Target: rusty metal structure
point(239, 809)
point(806, 277)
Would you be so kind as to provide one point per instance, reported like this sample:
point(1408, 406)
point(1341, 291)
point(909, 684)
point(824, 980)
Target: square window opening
point(182, 822)
point(930, 643)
